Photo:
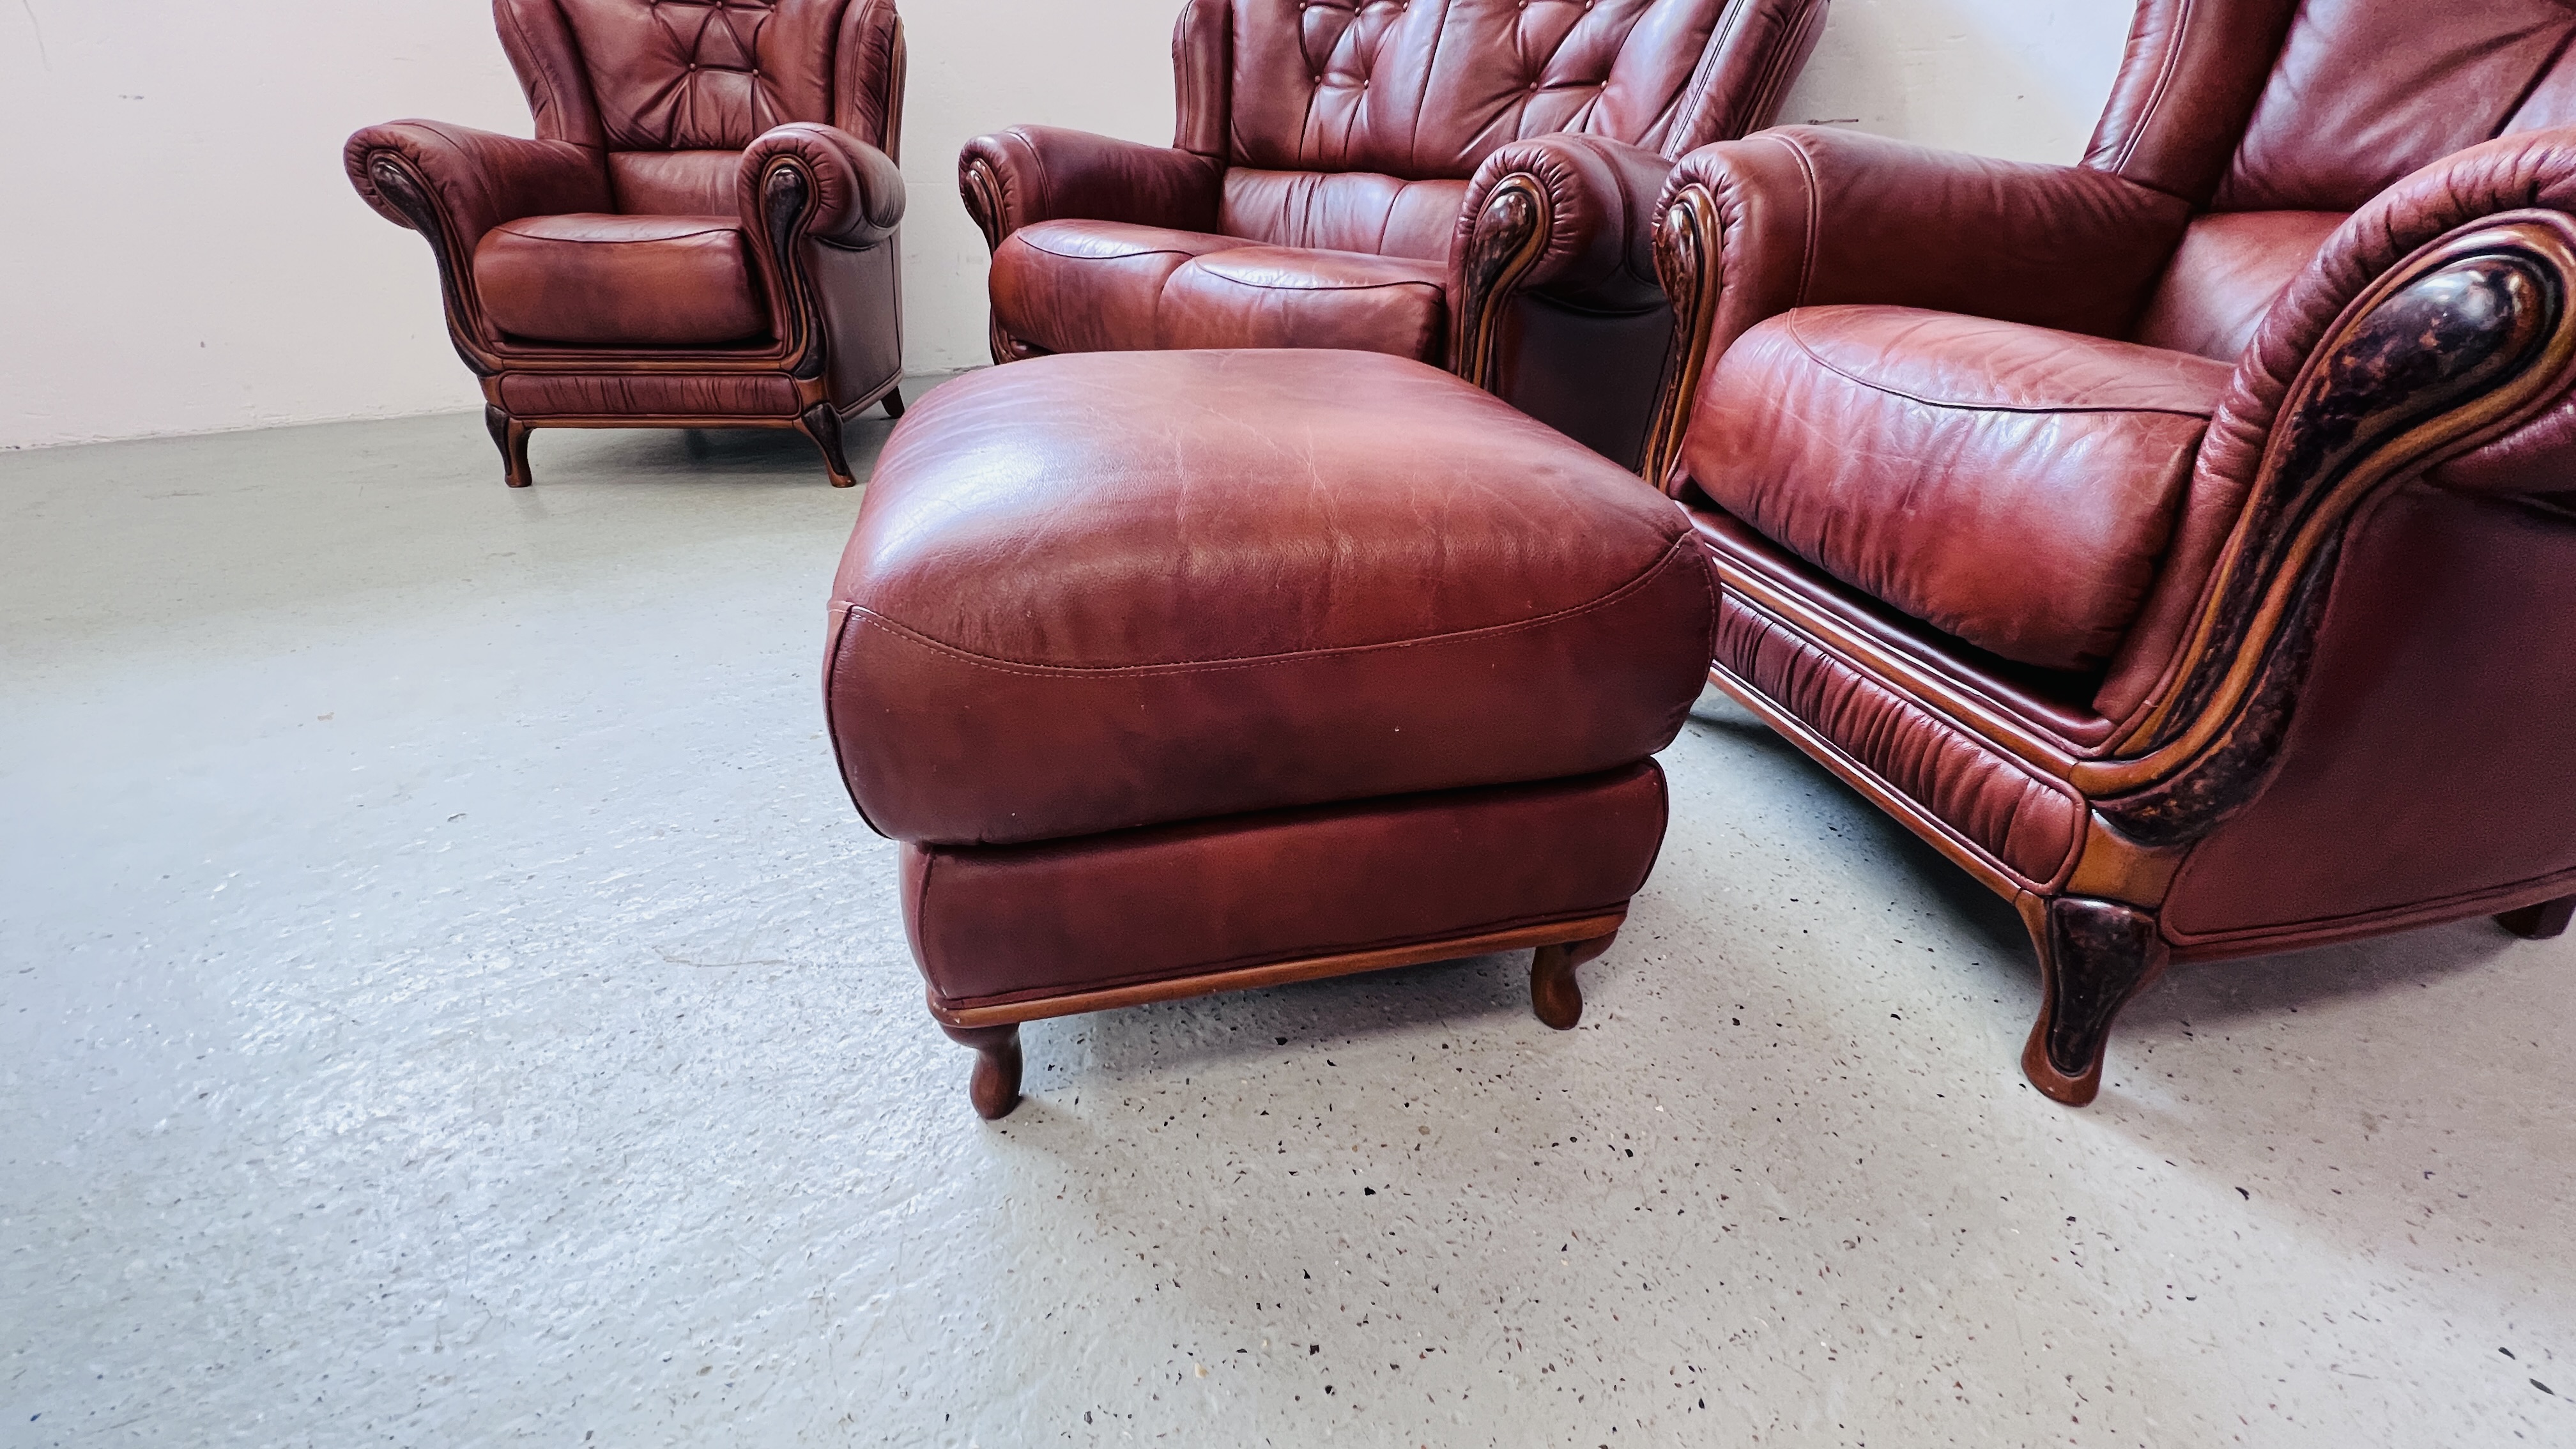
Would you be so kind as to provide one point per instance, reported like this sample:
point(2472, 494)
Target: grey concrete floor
point(451, 1001)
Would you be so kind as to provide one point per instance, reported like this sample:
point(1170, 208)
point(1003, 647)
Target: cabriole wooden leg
point(2094, 956)
point(511, 437)
point(995, 1089)
point(893, 401)
point(1555, 994)
point(2540, 922)
point(823, 424)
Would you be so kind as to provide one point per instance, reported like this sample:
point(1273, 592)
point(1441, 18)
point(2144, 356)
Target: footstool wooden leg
point(996, 1087)
point(2541, 922)
point(1554, 993)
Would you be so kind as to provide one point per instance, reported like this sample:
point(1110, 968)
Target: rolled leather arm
point(854, 189)
point(1569, 215)
point(1029, 174)
point(1805, 216)
point(417, 172)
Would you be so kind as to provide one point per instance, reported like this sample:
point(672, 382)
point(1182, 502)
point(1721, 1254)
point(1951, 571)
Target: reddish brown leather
point(1047, 173)
point(2430, 759)
point(478, 179)
point(2365, 91)
point(674, 183)
point(703, 397)
point(1349, 126)
point(1811, 217)
point(2017, 818)
point(1601, 215)
point(1347, 211)
point(994, 924)
point(2223, 277)
point(2011, 485)
point(1090, 286)
point(1291, 297)
point(660, 114)
point(665, 281)
point(1429, 88)
point(1094, 593)
point(2185, 87)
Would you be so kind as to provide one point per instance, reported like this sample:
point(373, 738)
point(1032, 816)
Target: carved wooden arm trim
point(2470, 337)
point(399, 183)
point(1686, 249)
point(1510, 234)
point(787, 206)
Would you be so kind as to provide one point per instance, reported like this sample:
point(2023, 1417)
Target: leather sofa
point(1468, 183)
point(701, 234)
point(2183, 542)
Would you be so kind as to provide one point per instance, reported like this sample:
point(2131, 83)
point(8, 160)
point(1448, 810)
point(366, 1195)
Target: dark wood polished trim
point(980, 187)
point(1278, 973)
point(2094, 958)
point(398, 183)
point(995, 1087)
point(1556, 996)
point(511, 437)
point(822, 423)
point(1686, 260)
point(2471, 336)
point(1511, 232)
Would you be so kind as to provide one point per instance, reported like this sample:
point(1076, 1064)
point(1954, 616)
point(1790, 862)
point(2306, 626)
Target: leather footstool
point(1193, 671)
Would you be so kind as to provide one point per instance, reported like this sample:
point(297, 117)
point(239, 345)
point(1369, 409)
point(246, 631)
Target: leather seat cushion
point(620, 281)
point(1098, 286)
point(1090, 286)
point(1263, 296)
point(2013, 486)
point(1122, 589)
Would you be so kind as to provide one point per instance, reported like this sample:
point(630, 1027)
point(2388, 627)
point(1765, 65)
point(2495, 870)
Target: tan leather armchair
point(1330, 185)
point(2183, 542)
point(701, 234)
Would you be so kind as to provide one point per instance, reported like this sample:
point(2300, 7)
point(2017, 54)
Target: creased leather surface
point(620, 280)
point(2430, 755)
point(2011, 485)
point(479, 179)
point(1089, 593)
point(2223, 277)
point(1429, 88)
point(2024, 821)
point(684, 75)
point(1090, 286)
point(857, 193)
point(1001, 923)
point(674, 183)
point(1601, 217)
point(607, 395)
point(2186, 84)
point(1293, 297)
point(1344, 211)
point(1048, 173)
point(2365, 91)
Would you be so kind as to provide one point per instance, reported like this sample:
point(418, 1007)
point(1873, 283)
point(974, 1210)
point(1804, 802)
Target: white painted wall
point(181, 253)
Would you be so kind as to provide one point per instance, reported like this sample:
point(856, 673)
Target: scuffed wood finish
point(511, 437)
point(1555, 995)
point(2471, 336)
point(2542, 922)
point(823, 425)
point(995, 1087)
point(1510, 234)
point(2094, 957)
point(1686, 263)
point(1279, 973)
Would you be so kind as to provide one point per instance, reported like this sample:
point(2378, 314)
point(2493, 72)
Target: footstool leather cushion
point(1096, 592)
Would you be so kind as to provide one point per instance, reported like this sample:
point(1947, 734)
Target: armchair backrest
point(2319, 105)
point(669, 90)
point(1427, 89)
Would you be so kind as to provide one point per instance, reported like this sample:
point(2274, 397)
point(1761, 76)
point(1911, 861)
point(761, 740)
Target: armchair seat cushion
point(620, 281)
point(2014, 486)
point(1103, 286)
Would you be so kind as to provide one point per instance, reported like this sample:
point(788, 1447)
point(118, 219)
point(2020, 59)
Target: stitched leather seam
point(619, 241)
point(1119, 257)
point(1815, 205)
point(2165, 70)
point(1986, 407)
point(1351, 287)
point(1686, 546)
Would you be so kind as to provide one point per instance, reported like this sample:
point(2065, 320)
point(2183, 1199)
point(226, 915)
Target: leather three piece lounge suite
point(2183, 541)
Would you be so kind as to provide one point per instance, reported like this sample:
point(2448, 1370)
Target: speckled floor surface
point(450, 1001)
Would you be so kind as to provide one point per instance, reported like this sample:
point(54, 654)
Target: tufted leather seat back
point(671, 90)
point(1427, 89)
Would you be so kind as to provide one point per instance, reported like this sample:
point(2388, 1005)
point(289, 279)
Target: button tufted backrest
point(1426, 89)
point(703, 75)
